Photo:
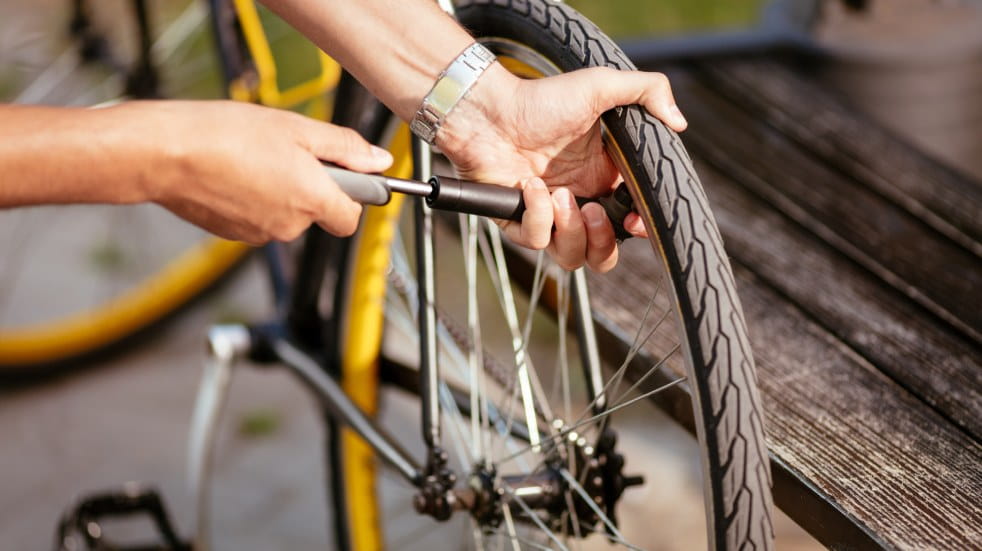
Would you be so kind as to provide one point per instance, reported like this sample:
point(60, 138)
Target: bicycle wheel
point(509, 423)
point(130, 267)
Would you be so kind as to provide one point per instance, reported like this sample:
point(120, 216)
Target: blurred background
point(914, 65)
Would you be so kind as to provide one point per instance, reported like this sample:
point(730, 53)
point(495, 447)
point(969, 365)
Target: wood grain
point(818, 121)
point(886, 460)
point(859, 265)
point(913, 348)
point(898, 247)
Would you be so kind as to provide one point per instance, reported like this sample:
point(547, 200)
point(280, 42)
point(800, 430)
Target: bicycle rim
point(67, 293)
point(698, 342)
point(133, 309)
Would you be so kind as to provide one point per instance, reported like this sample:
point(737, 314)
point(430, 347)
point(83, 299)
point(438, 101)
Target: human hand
point(515, 132)
point(251, 173)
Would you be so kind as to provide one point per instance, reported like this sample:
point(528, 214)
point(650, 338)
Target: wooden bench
point(859, 264)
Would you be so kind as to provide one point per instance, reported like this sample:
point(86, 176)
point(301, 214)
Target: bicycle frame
point(297, 339)
point(308, 344)
point(285, 339)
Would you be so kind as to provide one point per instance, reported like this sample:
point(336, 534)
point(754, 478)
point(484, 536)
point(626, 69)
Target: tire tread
point(726, 384)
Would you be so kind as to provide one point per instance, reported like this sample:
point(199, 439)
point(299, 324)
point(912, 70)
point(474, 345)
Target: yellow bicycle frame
point(266, 90)
point(363, 336)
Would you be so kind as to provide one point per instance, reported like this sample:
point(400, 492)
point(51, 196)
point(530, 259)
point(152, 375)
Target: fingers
point(569, 241)
point(342, 145)
point(601, 249)
point(635, 226)
point(333, 210)
point(573, 236)
point(535, 230)
point(651, 90)
point(537, 220)
point(338, 214)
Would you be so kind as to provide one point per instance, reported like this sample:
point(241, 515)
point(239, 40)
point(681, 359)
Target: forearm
point(396, 48)
point(53, 155)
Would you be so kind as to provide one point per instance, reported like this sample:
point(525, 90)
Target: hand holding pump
point(452, 194)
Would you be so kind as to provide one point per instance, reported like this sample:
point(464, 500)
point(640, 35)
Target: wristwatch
point(450, 87)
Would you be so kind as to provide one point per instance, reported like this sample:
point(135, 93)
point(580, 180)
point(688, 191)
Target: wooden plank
point(876, 456)
point(872, 448)
point(819, 122)
point(899, 248)
point(880, 323)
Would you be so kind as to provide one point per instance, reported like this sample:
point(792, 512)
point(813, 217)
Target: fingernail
point(677, 115)
point(635, 225)
point(594, 219)
point(381, 154)
point(537, 183)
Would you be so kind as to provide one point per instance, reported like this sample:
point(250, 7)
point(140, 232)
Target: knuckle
point(348, 228)
point(350, 140)
point(661, 81)
point(290, 230)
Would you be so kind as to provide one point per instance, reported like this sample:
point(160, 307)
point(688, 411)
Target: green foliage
point(259, 423)
point(296, 57)
point(107, 256)
point(624, 18)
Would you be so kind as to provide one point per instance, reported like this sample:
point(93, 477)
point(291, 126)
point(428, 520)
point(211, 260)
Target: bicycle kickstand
point(226, 345)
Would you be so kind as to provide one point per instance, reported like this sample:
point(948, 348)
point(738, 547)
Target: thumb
point(344, 146)
point(615, 88)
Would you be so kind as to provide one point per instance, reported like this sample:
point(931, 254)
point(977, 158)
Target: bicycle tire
point(30, 350)
point(727, 411)
point(53, 343)
point(33, 350)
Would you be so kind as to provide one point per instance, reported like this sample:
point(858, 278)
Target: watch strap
point(450, 87)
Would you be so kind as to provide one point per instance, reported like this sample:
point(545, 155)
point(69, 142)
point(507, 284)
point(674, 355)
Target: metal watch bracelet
point(450, 87)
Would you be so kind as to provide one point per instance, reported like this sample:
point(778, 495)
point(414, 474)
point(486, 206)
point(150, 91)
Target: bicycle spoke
point(538, 284)
point(622, 369)
point(174, 38)
point(633, 351)
point(563, 304)
point(531, 391)
point(510, 526)
point(571, 511)
point(521, 540)
point(42, 85)
point(593, 506)
point(614, 539)
point(595, 418)
point(452, 413)
point(534, 517)
point(478, 535)
point(650, 372)
point(478, 392)
point(413, 537)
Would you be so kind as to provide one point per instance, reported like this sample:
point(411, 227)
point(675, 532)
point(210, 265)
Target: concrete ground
point(125, 418)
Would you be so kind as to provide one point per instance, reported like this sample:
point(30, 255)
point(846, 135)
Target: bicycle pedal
point(80, 528)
